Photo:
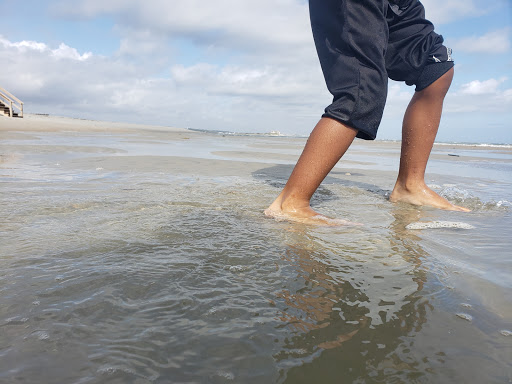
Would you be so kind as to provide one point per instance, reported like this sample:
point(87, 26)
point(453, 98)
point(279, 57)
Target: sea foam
point(439, 224)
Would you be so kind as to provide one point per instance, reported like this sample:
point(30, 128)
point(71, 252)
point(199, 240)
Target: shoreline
point(29, 122)
point(9, 124)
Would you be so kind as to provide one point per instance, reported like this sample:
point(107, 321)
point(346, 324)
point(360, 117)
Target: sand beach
point(140, 254)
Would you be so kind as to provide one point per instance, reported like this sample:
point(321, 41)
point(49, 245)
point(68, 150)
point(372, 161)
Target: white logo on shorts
point(449, 52)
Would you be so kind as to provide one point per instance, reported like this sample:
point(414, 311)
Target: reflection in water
point(354, 309)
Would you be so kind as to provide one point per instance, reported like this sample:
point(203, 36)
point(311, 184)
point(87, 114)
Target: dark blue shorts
point(361, 43)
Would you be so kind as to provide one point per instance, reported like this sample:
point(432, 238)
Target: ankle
point(290, 204)
point(410, 185)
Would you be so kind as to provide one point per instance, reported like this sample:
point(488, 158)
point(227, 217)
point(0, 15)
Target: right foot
point(423, 196)
point(305, 215)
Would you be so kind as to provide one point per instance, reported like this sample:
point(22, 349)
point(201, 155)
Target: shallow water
point(116, 270)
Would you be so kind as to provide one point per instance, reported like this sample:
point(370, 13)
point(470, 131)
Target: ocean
point(143, 256)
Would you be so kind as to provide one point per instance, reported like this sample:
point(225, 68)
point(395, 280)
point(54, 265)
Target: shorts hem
point(362, 132)
point(431, 73)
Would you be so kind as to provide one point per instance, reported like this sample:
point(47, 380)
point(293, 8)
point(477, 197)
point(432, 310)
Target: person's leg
point(421, 122)
point(350, 37)
point(326, 145)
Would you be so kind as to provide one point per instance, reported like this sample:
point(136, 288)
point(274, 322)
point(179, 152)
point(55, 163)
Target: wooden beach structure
point(8, 103)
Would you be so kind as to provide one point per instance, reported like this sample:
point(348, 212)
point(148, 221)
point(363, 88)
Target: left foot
point(423, 196)
point(301, 213)
point(306, 216)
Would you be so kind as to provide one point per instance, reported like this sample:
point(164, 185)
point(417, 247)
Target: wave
point(482, 145)
point(297, 135)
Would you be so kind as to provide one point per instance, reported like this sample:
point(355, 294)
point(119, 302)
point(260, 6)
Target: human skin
point(329, 141)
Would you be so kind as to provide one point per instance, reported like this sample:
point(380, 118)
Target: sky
point(232, 65)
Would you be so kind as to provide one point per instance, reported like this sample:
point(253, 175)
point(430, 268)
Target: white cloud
point(198, 95)
point(445, 11)
point(398, 98)
point(251, 97)
point(492, 42)
point(141, 43)
point(232, 80)
point(507, 96)
point(480, 97)
point(62, 52)
point(65, 52)
point(24, 45)
point(249, 25)
point(477, 87)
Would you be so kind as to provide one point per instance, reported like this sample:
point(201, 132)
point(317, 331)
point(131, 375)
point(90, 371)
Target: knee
point(440, 87)
point(446, 80)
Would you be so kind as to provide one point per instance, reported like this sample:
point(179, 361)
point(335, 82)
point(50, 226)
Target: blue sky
point(234, 65)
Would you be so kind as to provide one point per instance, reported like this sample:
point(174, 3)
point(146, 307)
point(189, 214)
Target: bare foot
point(423, 196)
point(305, 215)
